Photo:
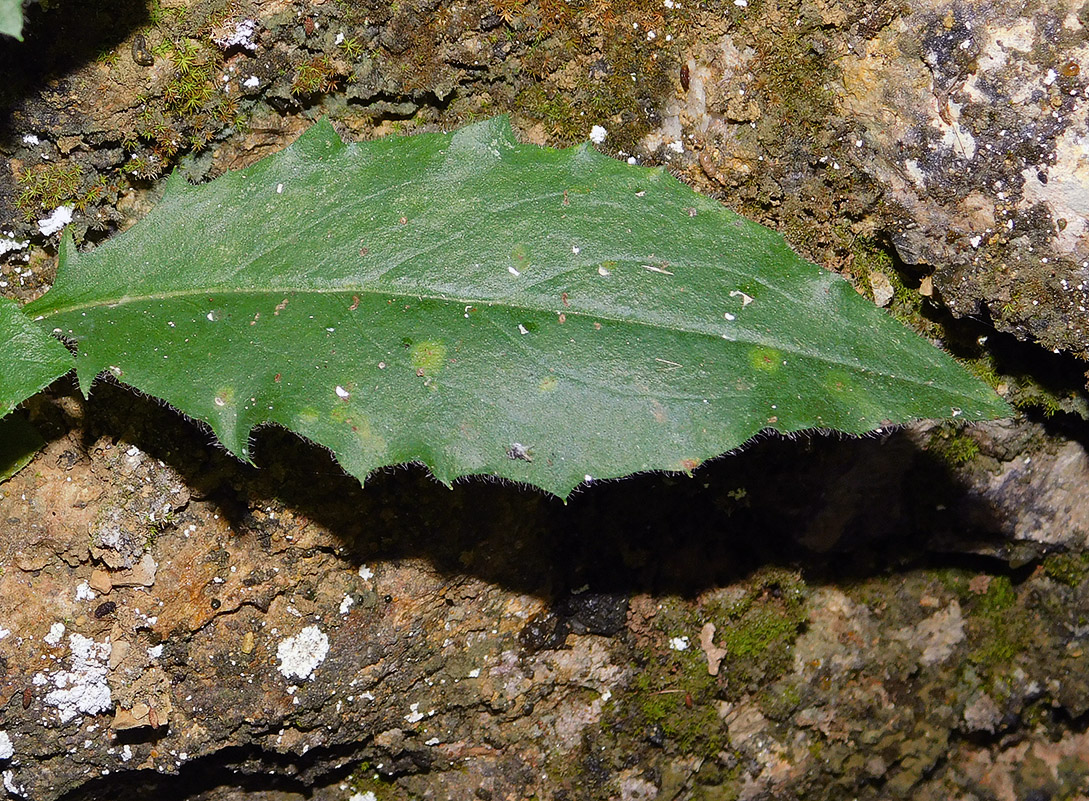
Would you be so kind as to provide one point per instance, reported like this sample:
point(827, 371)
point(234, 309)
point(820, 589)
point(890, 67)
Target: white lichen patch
point(679, 644)
point(241, 36)
point(414, 714)
point(7, 750)
point(82, 689)
point(11, 786)
point(56, 631)
point(301, 654)
point(10, 243)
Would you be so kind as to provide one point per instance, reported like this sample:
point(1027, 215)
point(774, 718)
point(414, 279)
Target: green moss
point(367, 779)
point(758, 630)
point(675, 692)
point(628, 67)
point(999, 598)
point(1026, 389)
point(318, 75)
point(1067, 568)
point(47, 186)
point(953, 445)
point(1000, 630)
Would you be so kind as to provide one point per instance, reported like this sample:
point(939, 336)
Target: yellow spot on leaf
point(428, 356)
point(768, 360)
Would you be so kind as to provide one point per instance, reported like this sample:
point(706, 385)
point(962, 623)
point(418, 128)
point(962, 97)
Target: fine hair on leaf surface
point(485, 307)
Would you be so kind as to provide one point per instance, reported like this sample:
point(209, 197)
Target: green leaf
point(30, 359)
point(11, 18)
point(19, 441)
point(486, 307)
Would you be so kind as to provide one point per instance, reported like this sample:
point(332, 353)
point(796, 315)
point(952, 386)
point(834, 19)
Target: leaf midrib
point(753, 339)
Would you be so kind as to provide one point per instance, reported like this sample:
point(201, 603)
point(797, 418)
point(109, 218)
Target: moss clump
point(758, 630)
point(629, 58)
point(367, 779)
point(315, 76)
point(1047, 389)
point(675, 697)
point(1070, 569)
point(953, 445)
point(1000, 629)
point(47, 186)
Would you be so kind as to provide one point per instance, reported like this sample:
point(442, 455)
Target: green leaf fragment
point(30, 359)
point(11, 18)
point(487, 307)
point(19, 442)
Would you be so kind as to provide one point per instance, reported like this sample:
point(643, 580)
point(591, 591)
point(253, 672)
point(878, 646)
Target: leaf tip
point(318, 141)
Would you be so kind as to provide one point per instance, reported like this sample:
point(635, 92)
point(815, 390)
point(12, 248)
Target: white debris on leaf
point(598, 134)
point(7, 750)
point(301, 654)
point(61, 216)
point(83, 688)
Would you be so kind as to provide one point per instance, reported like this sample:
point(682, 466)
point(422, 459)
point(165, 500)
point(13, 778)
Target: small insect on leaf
point(519, 451)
